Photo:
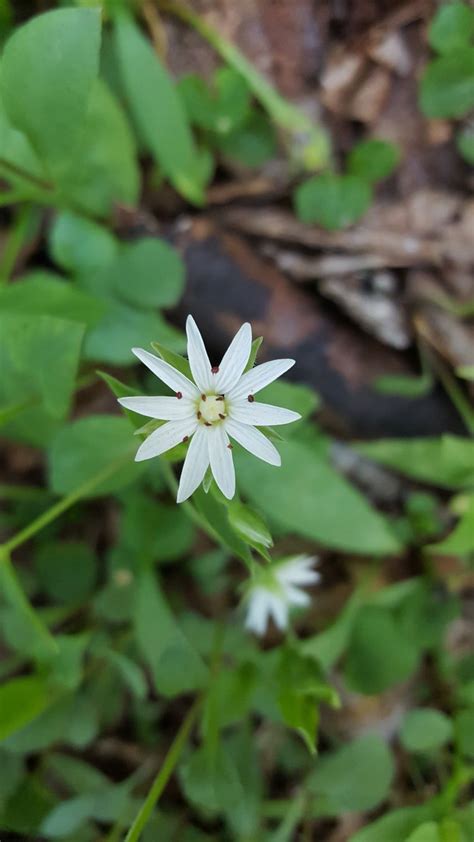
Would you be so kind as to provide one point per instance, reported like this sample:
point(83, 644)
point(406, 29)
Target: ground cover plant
point(236, 380)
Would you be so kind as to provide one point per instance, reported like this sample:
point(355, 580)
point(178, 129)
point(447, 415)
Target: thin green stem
point(17, 598)
point(13, 197)
point(24, 175)
point(21, 230)
point(164, 774)
point(55, 511)
point(187, 506)
point(309, 142)
point(457, 396)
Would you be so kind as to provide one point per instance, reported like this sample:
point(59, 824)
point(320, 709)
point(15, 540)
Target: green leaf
point(464, 732)
point(157, 109)
point(39, 357)
point(153, 531)
point(426, 832)
point(42, 293)
point(328, 646)
point(21, 701)
point(210, 779)
point(447, 85)
point(408, 387)
point(131, 674)
point(104, 170)
point(27, 807)
point(124, 327)
point(220, 109)
point(308, 497)
point(356, 777)
point(86, 447)
point(66, 571)
point(249, 526)
point(425, 729)
point(149, 273)
point(11, 773)
point(373, 160)
point(465, 371)
point(252, 144)
point(174, 359)
point(461, 540)
point(332, 201)
point(81, 245)
point(446, 461)
point(452, 28)
point(394, 826)
point(465, 145)
point(176, 666)
point(48, 69)
point(295, 396)
point(378, 656)
point(301, 687)
point(253, 353)
point(215, 513)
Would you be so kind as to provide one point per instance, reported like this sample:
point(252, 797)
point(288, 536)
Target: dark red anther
point(221, 415)
point(179, 395)
point(199, 415)
point(203, 397)
point(215, 369)
point(186, 438)
point(250, 398)
point(220, 398)
point(230, 446)
point(207, 424)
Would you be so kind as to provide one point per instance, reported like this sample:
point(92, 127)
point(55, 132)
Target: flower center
point(211, 409)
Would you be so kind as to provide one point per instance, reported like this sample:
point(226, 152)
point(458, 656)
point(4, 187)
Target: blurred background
point(307, 167)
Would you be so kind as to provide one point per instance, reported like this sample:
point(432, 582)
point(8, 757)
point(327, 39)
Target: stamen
point(179, 395)
point(186, 438)
point(220, 398)
point(215, 369)
point(203, 397)
point(199, 415)
point(221, 415)
point(250, 398)
point(207, 424)
point(230, 446)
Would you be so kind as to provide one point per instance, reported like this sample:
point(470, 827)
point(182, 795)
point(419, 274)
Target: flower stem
point(19, 601)
point(61, 506)
point(164, 774)
point(308, 141)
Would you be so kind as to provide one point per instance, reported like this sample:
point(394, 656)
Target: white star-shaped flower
point(219, 404)
point(275, 588)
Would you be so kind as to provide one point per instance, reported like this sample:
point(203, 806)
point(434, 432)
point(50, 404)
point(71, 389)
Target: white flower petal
point(279, 610)
point(165, 437)
point(195, 465)
point(257, 611)
point(254, 441)
point(261, 414)
point(220, 456)
point(234, 360)
point(198, 358)
point(169, 375)
point(166, 409)
point(295, 596)
point(259, 377)
point(297, 571)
